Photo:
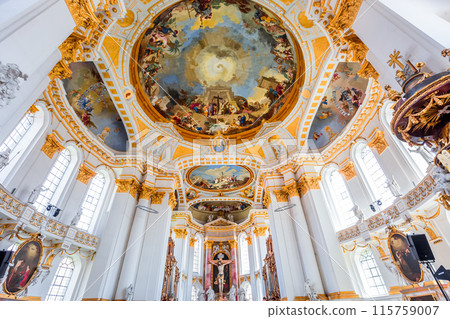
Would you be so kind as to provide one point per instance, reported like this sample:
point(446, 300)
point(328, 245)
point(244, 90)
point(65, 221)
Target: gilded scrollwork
point(85, 174)
point(346, 15)
point(51, 146)
point(348, 171)
point(281, 195)
point(378, 142)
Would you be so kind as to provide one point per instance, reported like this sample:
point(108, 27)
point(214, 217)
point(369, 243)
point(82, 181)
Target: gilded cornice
point(82, 12)
point(85, 174)
point(192, 241)
point(356, 47)
point(260, 231)
point(346, 15)
point(348, 171)
point(281, 195)
point(307, 183)
point(180, 233)
point(51, 146)
point(378, 142)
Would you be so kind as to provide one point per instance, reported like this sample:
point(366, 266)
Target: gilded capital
point(291, 190)
point(172, 200)
point(33, 109)
point(130, 186)
point(348, 171)
point(346, 15)
point(60, 71)
point(249, 239)
point(85, 174)
point(378, 142)
point(260, 231)
point(281, 195)
point(51, 146)
point(307, 183)
point(157, 198)
point(180, 233)
point(146, 192)
point(266, 200)
point(208, 244)
point(192, 241)
point(233, 243)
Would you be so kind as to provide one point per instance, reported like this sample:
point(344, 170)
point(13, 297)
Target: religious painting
point(88, 96)
point(25, 262)
point(428, 297)
point(224, 206)
point(217, 65)
point(342, 99)
point(404, 259)
point(219, 178)
point(224, 278)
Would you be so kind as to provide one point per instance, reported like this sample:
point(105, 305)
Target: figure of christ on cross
point(220, 264)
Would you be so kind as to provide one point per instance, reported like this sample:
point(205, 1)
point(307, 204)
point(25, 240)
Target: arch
point(372, 174)
point(61, 281)
point(339, 197)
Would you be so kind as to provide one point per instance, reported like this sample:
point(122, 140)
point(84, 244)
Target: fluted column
point(179, 253)
point(135, 241)
point(260, 245)
point(190, 267)
point(251, 257)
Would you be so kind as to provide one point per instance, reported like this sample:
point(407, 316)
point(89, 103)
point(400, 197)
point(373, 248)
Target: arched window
point(375, 177)
point(197, 254)
point(53, 181)
point(342, 201)
point(18, 133)
point(92, 201)
point(245, 261)
point(61, 280)
point(370, 274)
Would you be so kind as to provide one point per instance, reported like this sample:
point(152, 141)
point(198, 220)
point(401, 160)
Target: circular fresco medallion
point(219, 178)
point(217, 66)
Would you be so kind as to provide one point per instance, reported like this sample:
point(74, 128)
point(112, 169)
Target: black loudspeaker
point(421, 246)
point(5, 256)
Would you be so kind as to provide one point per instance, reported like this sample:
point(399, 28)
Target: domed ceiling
point(221, 65)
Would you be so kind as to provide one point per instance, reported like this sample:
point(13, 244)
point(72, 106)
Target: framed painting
point(404, 259)
point(220, 178)
point(428, 297)
point(25, 262)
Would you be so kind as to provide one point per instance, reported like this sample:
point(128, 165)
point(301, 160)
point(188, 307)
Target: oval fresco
point(24, 266)
point(404, 259)
point(217, 65)
point(342, 99)
point(219, 178)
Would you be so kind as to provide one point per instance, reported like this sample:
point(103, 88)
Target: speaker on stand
point(421, 249)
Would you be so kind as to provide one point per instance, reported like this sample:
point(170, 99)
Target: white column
point(251, 257)
point(189, 267)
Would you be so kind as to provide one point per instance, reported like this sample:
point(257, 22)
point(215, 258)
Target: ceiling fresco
point(220, 65)
point(219, 178)
point(342, 99)
point(88, 96)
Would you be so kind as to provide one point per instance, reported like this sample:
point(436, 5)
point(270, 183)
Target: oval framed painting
point(25, 262)
point(404, 259)
point(219, 178)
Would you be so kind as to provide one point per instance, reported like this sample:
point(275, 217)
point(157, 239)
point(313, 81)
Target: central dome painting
point(221, 65)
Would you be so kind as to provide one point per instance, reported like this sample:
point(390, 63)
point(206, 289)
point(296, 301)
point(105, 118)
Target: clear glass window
point(372, 276)
point(91, 201)
point(18, 133)
point(61, 280)
point(342, 200)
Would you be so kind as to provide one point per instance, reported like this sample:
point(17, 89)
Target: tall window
point(53, 180)
point(245, 262)
point(91, 201)
point(197, 255)
point(341, 199)
point(61, 280)
point(372, 277)
point(377, 179)
point(18, 133)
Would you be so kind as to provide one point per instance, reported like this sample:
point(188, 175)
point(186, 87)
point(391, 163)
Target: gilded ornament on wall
point(172, 200)
point(146, 192)
point(345, 15)
point(307, 183)
point(378, 142)
point(291, 190)
point(260, 231)
point(180, 233)
point(348, 171)
point(266, 199)
point(51, 146)
point(157, 198)
point(130, 186)
point(368, 71)
point(281, 195)
point(357, 48)
point(192, 241)
point(85, 174)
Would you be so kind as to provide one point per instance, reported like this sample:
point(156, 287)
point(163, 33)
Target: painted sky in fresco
point(341, 101)
point(90, 99)
point(219, 177)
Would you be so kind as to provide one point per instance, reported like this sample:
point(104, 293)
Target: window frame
point(363, 274)
point(69, 279)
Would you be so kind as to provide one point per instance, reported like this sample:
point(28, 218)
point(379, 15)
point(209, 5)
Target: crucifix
point(218, 98)
point(395, 60)
point(220, 264)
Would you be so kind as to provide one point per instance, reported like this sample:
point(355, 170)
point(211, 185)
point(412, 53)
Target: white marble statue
point(130, 293)
point(442, 179)
point(444, 158)
point(210, 293)
point(35, 194)
point(358, 213)
point(230, 217)
point(232, 293)
point(201, 295)
point(4, 158)
point(393, 187)
point(9, 82)
point(241, 294)
point(310, 291)
point(210, 218)
point(76, 218)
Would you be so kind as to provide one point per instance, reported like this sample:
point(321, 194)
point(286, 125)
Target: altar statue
point(210, 293)
point(232, 293)
point(220, 264)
